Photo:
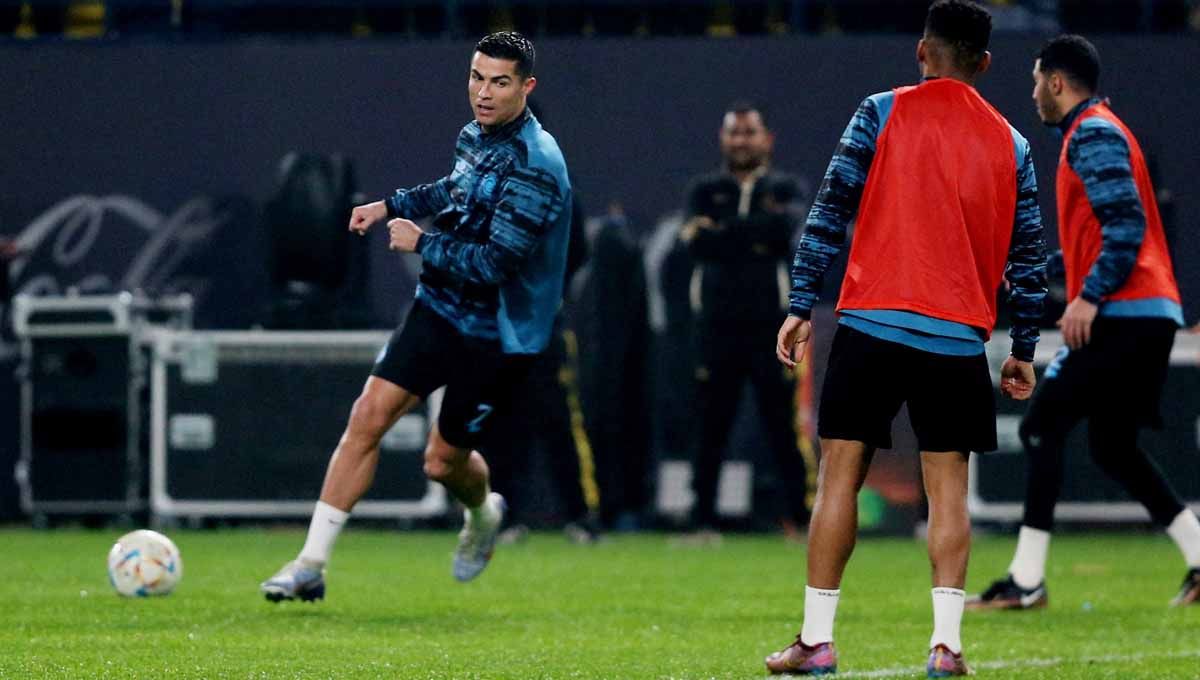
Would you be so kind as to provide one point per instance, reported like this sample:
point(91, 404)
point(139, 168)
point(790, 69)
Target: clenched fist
point(403, 235)
point(363, 216)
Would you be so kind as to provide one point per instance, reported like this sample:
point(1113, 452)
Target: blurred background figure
point(739, 225)
point(610, 318)
point(548, 427)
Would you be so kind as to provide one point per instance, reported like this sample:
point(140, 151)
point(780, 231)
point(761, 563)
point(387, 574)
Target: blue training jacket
point(494, 268)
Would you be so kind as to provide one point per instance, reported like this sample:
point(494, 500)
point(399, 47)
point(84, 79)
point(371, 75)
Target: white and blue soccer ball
point(144, 563)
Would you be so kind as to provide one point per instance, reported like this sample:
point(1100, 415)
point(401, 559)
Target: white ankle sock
point(1185, 531)
point(327, 523)
point(1028, 567)
point(484, 514)
point(947, 618)
point(820, 607)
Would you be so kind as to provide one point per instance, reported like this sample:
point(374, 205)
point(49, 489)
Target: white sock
point(1028, 567)
point(484, 514)
point(327, 523)
point(947, 618)
point(820, 606)
point(1185, 531)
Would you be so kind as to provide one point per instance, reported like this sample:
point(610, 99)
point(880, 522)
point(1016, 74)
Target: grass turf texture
point(632, 607)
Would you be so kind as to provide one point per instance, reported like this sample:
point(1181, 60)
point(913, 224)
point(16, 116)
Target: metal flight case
point(82, 380)
point(243, 424)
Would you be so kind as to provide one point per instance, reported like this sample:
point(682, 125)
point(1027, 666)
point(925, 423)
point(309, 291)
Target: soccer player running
point(946, 203)
point(489, 289)
point(1123, 312)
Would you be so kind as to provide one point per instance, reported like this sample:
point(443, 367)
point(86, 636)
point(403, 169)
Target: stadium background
point(166, 102)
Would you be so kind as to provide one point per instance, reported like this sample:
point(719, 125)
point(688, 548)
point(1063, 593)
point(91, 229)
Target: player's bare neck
point(930, 72)
point(937, 66)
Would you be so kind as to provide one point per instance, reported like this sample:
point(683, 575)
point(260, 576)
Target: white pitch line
point(1026, 663)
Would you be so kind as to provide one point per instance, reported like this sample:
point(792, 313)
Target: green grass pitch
point(633, 607)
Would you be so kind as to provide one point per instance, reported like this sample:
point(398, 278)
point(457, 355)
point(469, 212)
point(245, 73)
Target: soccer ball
point(144, 563)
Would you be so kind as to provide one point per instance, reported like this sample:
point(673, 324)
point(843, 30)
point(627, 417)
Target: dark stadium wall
point(164, 122)
point(161, 123)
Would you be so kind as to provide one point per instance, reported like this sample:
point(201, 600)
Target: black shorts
point(950, 399)
point(427, 352)
point(1119, 374)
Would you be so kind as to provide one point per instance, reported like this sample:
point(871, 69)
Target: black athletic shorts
point(1119, 374)
point(427, 352)
point(950, 399)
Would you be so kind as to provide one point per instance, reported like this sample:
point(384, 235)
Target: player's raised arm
point(531, 202)
point(363, 216)
point(420, 201)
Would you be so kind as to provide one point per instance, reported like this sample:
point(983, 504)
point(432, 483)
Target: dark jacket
point(740, 269)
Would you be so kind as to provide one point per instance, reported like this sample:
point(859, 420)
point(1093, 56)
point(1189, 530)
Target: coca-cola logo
point(103, 244)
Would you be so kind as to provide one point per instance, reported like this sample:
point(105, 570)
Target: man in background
point(739, 224)
point(544, 418)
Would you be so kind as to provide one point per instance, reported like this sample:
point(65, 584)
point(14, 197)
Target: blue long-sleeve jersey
point(837, 203)
point(1099, 154)
point(494, 269)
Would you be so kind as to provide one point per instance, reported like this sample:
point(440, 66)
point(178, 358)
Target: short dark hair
point(511, 46)
point(963, 25)
point(1074, 57)
point(744, 106)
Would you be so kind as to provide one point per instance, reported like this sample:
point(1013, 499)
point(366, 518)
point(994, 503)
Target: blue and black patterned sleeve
point(1099, 154)
point(426, 200)
point(531, 202)
point(834, 208)
point(420, 201)
point(1026, 269)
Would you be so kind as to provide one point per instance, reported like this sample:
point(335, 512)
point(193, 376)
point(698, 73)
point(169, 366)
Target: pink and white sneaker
point(801, 659)
point(944, 663)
